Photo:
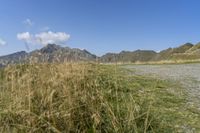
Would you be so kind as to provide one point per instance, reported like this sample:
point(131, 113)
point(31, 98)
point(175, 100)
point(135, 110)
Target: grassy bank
point(90, 98)
point(161, 62)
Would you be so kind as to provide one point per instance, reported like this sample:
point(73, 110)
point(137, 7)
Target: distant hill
point(50, 53)
point(56, 53)
point(172, 53)
point(14, 58)
point(128, 56)
point(184, 52)
point(195, 49)
point(53, 53)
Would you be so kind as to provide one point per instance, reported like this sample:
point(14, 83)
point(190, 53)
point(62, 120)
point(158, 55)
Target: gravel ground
point(186, 74)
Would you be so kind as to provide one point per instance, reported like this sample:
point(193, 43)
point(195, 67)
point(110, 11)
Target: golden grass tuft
point(75, 97)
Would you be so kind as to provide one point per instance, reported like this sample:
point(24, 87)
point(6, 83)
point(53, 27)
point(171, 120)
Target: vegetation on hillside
point(53, 53)
point(184, 52)
point(90, 98)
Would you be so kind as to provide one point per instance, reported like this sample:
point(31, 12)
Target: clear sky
point(99, 26)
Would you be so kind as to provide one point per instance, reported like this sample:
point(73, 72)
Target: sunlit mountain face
point(56, 53)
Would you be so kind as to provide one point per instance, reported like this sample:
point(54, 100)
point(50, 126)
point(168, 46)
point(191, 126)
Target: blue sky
point(100, 26)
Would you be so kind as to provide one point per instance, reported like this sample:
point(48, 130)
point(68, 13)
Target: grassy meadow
point(90, 98)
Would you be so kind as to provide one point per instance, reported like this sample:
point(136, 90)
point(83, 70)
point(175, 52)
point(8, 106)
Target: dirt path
point(187, 74)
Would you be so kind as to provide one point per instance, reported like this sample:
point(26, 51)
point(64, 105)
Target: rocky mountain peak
point(50, 48)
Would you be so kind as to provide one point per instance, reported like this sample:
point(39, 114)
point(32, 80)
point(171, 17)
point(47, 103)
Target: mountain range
point(53, 53)
point(186, 51)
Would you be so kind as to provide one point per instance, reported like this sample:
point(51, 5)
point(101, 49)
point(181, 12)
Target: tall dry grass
point(63, 98)
point(78, 97)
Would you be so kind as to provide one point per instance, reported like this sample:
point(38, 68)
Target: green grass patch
point(90, 98)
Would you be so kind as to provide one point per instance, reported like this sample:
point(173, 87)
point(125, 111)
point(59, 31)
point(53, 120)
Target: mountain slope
point(172, 53)
point(128, 56)
point(17, 57)
point(53, 53)
point(195, 49)
point(50, 53)
point(183, 52)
